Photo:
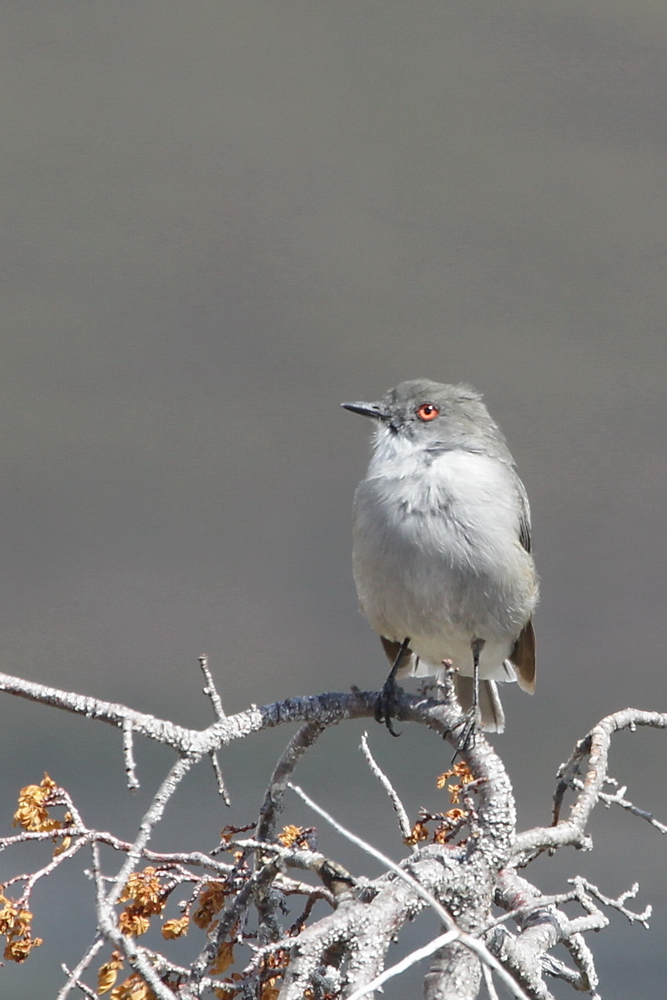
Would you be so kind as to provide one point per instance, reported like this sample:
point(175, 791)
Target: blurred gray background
point(219, 221)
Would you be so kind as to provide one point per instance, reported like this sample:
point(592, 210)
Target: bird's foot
point(387, 704)
point(468, 735)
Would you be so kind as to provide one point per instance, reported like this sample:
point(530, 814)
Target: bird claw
point(387, 704)
point(467, 739)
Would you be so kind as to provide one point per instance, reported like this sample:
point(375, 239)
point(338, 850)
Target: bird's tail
point(491, 709)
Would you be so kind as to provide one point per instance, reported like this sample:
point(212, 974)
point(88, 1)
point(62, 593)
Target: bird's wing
point(524, 515)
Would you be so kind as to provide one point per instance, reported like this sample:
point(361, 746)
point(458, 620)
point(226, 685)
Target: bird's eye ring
point(427, 411)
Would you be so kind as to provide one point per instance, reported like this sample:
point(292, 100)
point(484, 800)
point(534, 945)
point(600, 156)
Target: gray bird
point(441, 552)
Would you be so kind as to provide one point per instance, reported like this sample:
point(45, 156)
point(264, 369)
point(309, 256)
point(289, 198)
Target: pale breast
point(437, 547)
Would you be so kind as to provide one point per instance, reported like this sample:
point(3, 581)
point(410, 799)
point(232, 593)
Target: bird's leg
point(477, 647)
point(472, 715)
point(386, 705)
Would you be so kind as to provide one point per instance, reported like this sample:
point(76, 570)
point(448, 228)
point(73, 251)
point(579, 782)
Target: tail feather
point(491, 709)
point(523, 658)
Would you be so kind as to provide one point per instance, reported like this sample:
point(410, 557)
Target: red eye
point(428, 411)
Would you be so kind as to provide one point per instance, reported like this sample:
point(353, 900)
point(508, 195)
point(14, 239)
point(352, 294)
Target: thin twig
point(220, 781)
point(128, 755)
point(153, 815)
point(329, 871)
point(423, 893)
point(87, 836)
point(488, 982)
point(49, 868)
point(275, 792)
point(80, 985)
point(582, 886)
point(618, 798)
point(210, 690)
point(582, 957)
point(399, 809)
point(596, 747)
point(80, 968)
point(230, 915)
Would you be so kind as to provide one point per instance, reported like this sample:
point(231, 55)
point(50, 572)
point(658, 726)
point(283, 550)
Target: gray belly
point(431, 574)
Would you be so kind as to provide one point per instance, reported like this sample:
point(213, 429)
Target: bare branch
point(586, 979)
point(596, 747)
point(211, 689)
point(618, 798)
point(488, 982)
point(128, 754)
point(219, 779)
point(395, 970)
point(86, 990)
point(151, 817)
point(342, 952)
point(470, 942)
point(74, 976)
point(273, 799)
point(403, 821)
point(379, 856)
point(582, 886)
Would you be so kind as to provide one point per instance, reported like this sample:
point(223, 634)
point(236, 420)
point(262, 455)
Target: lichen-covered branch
point(255, 945)
point(595, 747)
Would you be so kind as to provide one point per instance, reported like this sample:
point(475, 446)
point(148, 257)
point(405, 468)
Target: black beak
point(366, 410)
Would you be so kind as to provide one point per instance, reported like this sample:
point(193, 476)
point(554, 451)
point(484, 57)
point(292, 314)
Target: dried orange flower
point(419, 832)
point(33, 811)
point(460, 770)
point(225, 994)
point(8, 914)
point(452, 819)
point(108, 973)
point(132, 922)
point(65, 843)
point(465, 776)
point(15, 925)
point(223, 959)
point(133, 988)
point(145, 889)
point(18, 949)
point(291, 836)
point(455, 816)
point(226, 835)
point(175, 928)
point(277, 962)
point(211, 901)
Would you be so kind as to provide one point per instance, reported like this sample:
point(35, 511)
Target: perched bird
point(441, 552)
